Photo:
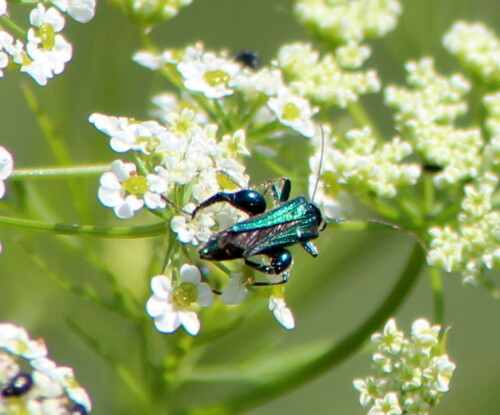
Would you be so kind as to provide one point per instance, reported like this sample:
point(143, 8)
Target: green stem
point(337, 354)
point(437, 291)
point(112, 232)
point(13, 27)
point(58, 172)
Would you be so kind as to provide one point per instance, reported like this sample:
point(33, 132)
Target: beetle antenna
point(320, 165)
point(387, 225)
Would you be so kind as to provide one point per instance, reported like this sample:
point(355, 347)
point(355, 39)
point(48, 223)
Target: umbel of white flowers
point(411, 374)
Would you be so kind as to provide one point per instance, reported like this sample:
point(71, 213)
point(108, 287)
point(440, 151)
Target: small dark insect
point(249, 58)
point(432, 168)
point(78, 410)
point(265, 233)
point(18, 385)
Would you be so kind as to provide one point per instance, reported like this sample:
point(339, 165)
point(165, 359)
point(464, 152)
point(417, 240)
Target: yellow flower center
point(185, 294)
point(214, 78)
point(48, 36)
point(136, 185)
point(151, 143)
point(290, 112)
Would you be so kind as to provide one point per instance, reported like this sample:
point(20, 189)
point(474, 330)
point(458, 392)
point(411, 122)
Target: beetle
point(249, 59)
point(265, 232)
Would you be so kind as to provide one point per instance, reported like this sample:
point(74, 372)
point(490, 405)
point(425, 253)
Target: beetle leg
point(280, 189)
point(247, 200)
point(284, 278)
point(310, 248)
point(281, 259)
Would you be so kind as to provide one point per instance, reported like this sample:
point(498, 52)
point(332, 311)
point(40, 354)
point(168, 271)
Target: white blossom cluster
point(183, 162)
point(176, 301)
point(46, 51)
point(33, 384)
point(425, 115)
point(473, 246)
point(341, 21)
point(329, 80)
point(218, 77)
point(411, 374)
point(360, 164)
point(477, 48)
point(149, 12)
point(492, 124)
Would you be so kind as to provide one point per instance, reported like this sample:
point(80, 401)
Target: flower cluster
point(411, 374)
point(341, 21)
point(492, 124)
point(182, 154)
point(228, 110)
point(260, 96)
point(146, 13)
point(326, 81)
point(46, 51)
point(31, 383)
point(425, 114)
point(474, 246)
point(477, 48)
point(177, 298)
point(359, 164)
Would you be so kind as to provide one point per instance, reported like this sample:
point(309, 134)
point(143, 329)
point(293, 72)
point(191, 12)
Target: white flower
point(11, 46)
point(171, 302)
point(3, 7)
point(17, 341)
point(48, 51)
point(424, 335)
point(446, 248)
point(344, 21)
point(352, 55)
point(81, 10)
point(154, 61)
point(65, 378)
point(265, 81)
point(127, 192)
point(208, 74)
point(45, 387)
point(234, 144)
point(6, 167)
point(281, 312)
point(391, 339)
point(40, 16)
point(477, 47)
point(440, 373)
point(413, 379)
point(389, 405)
point(194, 231)
point(369, 389)
point(236, 290)
point(293, 111)
point(126, 135)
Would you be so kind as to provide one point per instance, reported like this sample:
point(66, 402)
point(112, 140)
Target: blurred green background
point(352, 274)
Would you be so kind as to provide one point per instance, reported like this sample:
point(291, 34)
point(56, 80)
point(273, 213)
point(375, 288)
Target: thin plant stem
point(112, 232)
point(59, 172)
point(437, 290)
